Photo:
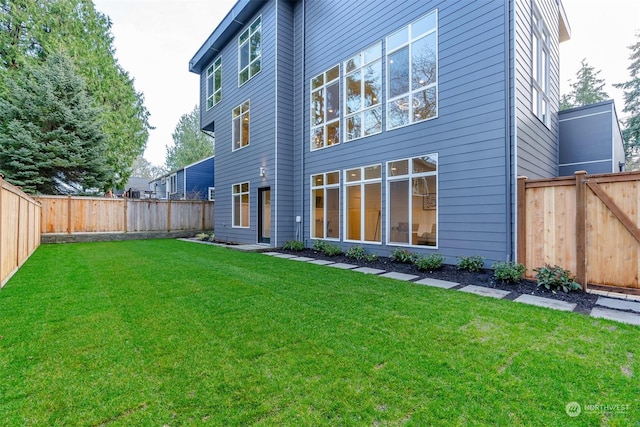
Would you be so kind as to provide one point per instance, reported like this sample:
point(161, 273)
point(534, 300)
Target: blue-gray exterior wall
point(199, 177)
point(537, 144)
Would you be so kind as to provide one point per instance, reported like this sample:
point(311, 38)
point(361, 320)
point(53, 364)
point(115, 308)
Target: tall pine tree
point(587, 89)
point(631, 89)
point(51, 140)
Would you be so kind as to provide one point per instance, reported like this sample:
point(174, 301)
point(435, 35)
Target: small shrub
point(212, 237)
point(556, 278)
point(293, 245)
point(471, 263)
point(509, 272)
point(319, 245)
point(331, 249)
point(370, 257)
point(355, 252)
point(430, 262)
point(202, 236)
point(402, 255)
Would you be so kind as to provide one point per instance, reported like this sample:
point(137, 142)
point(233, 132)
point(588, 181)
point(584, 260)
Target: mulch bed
point(585, 301)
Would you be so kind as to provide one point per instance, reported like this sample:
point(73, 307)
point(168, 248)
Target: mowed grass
point(167, 332)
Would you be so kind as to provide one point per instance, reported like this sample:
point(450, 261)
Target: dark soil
point(585, 301)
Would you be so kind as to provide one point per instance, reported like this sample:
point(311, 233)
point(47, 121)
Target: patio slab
point(485, 292)
point(444, 284)
point(271, 253)
point(619, 304)
point(286, 256)
point(400, 276)
point(546, 302)
point(342, 265)
point(302, 258)
point(618, 316)
point(368, 270)
point(321, 262)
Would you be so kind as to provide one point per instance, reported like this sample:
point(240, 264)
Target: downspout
point(300, 225)
point(507, 106)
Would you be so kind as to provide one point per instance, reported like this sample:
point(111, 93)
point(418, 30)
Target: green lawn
point(168, 332)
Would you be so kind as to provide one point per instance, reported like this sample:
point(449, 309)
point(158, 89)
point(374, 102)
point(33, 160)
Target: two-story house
point(382, 123)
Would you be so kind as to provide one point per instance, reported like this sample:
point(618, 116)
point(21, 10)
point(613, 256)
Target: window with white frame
point(412, 72)
point(540, 68)
point(250, 51)
point(214, 83)
point(363, 93)
point(173, 184)
point(240, 205)
point(325, 206)
point(325, 108)
point(412, 201)
point(363, 204)
point(212, 194)
point(240, 117)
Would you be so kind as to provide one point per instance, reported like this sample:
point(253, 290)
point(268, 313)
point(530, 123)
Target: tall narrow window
point(325, 206)
point(412, 72)
point(363, 201)
point(325, 109)
point(173, 184)
point(540, 68)
point(363, 93)
point(240, 205)
point(240, 119)
point(214, 83)
point(412, 205)
point(250, 52)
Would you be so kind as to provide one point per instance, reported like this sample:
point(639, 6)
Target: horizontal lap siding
point(199, 179)
point(468, 135)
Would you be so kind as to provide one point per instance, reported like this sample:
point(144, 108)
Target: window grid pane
point(250, 52)
point(325, 109)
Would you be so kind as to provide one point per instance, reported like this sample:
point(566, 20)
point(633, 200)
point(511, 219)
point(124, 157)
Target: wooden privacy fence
point(586, 223)
point(67, 214)
point(19, 229)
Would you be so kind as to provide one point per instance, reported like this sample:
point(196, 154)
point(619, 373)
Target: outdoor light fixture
point(263, 171)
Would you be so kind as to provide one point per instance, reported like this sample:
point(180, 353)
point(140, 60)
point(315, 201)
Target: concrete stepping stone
point(321, 262)
point(444, 284)
point(618, 316)
point(368, 270)
point(485, 292)
point(271, 253)
point(286, 256)
point(619, 304)
point(546, 302)
point(342, 265)
point(301, 258)
point(399, 276)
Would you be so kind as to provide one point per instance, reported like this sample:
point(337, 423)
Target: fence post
point(521, 226)
point(169, 216)
point(126, 202)
point(581, 228)
point(204, 206)
point(69, 214)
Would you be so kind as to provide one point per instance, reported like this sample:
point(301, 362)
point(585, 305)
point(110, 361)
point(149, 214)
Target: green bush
point(202, 236)
point(293, 245)
point(370, 257)
point(430, 262)
point(556, 278)
point(402, 255)
point(331, 250)
point(319, 245)
point(355, 252)
point(471, 263)
point(509, 272)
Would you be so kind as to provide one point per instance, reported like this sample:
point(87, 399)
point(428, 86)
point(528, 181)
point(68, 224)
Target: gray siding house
point(382, 123)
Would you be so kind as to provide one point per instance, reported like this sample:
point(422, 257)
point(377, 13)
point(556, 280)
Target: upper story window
point(250, 52)
point(540, 68)
point(363, 93)
point(214, 83)
point(240, 119)
point(412, 72)
point(325, 109)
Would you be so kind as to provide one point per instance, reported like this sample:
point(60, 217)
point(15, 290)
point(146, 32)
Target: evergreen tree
point(587, 89)
point(190, 144)
point(631, 88)
point(51, 141)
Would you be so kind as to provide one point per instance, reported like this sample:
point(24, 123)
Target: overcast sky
point(155, 39)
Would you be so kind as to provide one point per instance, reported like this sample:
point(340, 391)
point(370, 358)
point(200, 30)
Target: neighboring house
point(195, 181)
point(591, 140)
point(382, 123)
point(135, 188)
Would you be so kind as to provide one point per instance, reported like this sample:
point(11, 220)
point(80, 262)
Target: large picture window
point(250, 52)
point(363, 201)
point(325, 206)
point(412, 201)
point(325, 109)
point(412, 72)
point(240, 205)
point(540, 68)
point(240, 118)
point(363, 93)
point(214, 83)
